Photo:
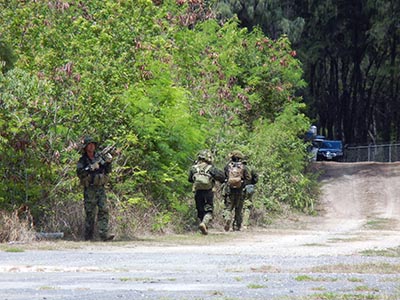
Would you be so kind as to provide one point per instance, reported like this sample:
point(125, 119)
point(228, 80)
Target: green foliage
point(25, 142)
point(237, 76)
point(158, 86)
point(274, 17)
point(281, 157)
point(7, 57)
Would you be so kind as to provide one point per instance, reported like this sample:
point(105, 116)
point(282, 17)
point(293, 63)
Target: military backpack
point(202, 179)
point(235, 175)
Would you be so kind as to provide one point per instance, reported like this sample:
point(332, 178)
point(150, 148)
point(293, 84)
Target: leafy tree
point(351, 65)
point(349, 50)
point(278, 154)
point(275, 18)
point(25, 145)
point(160, 81)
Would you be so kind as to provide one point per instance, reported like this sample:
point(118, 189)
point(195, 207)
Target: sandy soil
point(299, 257)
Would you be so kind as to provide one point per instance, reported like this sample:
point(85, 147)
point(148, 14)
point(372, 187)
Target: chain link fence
point(378, 153)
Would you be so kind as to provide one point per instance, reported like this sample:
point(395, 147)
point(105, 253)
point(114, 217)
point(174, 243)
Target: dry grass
point(16, 226)
point(366, 268)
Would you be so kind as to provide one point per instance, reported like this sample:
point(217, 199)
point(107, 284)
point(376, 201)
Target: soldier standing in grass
point(92, 170)
point(203, 175)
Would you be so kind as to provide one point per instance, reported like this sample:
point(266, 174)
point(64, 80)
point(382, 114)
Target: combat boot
point(236, 228)
point(246, 218)
point(207, 218)
point(203, 228)
point(204, 223)
point(108, 237)
point(227, 225)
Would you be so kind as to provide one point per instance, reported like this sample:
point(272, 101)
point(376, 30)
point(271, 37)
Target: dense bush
point(160, 82)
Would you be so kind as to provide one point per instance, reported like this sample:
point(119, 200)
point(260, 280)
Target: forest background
point(163, 80)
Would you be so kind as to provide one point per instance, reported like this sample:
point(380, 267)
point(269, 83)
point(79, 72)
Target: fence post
point(369, 152)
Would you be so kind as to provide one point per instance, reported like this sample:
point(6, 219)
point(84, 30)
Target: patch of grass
point(17, 226)
point(47, 288)
point(266, 269)
point(14, 250)
point(141, 279)
point(364, 288)
point(188, 239)
point(309, 278)
point(216, 293)
point(336, 296)
point(315, 245)
point(354, 279)
point(303, 278)
point(256, 286)
point(379, 224)
point(390, 252)
point(392, 279)
point(237, 270)
point(345, 240)
point(171, 279)
point(49, 245)
point(367, 268)
point(321, 288)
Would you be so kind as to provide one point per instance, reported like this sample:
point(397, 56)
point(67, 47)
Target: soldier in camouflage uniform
point(92, 170)
point(249, 190)
point(204, 196)
point(234, 196)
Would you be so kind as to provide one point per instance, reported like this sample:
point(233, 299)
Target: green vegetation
point(310, 278)
point(380, 224)
point(350, 54)
point(162, 82)
point(364, 288)
point(354, 279)
point(390, 252)
point(376, 268)
point(256, 286)
point(14, 250)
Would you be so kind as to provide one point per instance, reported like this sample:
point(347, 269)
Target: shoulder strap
point(207, 168)
point(202, 167)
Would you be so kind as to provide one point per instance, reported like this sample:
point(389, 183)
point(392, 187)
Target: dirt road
point(349, 251)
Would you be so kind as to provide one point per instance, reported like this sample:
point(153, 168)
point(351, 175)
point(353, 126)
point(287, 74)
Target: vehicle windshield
point(331, 145)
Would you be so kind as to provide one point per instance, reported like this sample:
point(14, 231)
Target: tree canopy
point(350, 55)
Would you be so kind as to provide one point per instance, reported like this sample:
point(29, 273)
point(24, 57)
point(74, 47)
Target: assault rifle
point(101, 158)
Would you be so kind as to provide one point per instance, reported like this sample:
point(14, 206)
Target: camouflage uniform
point(94, 193)
point(234, 197)
point(205, 198)
point(248, 197)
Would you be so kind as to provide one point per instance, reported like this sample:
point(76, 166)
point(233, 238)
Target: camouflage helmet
point(88, 140)
point(237, 154)
point(205, 155)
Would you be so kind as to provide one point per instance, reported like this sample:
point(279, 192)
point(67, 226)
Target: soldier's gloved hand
point(108, 157)
point(94, 166)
